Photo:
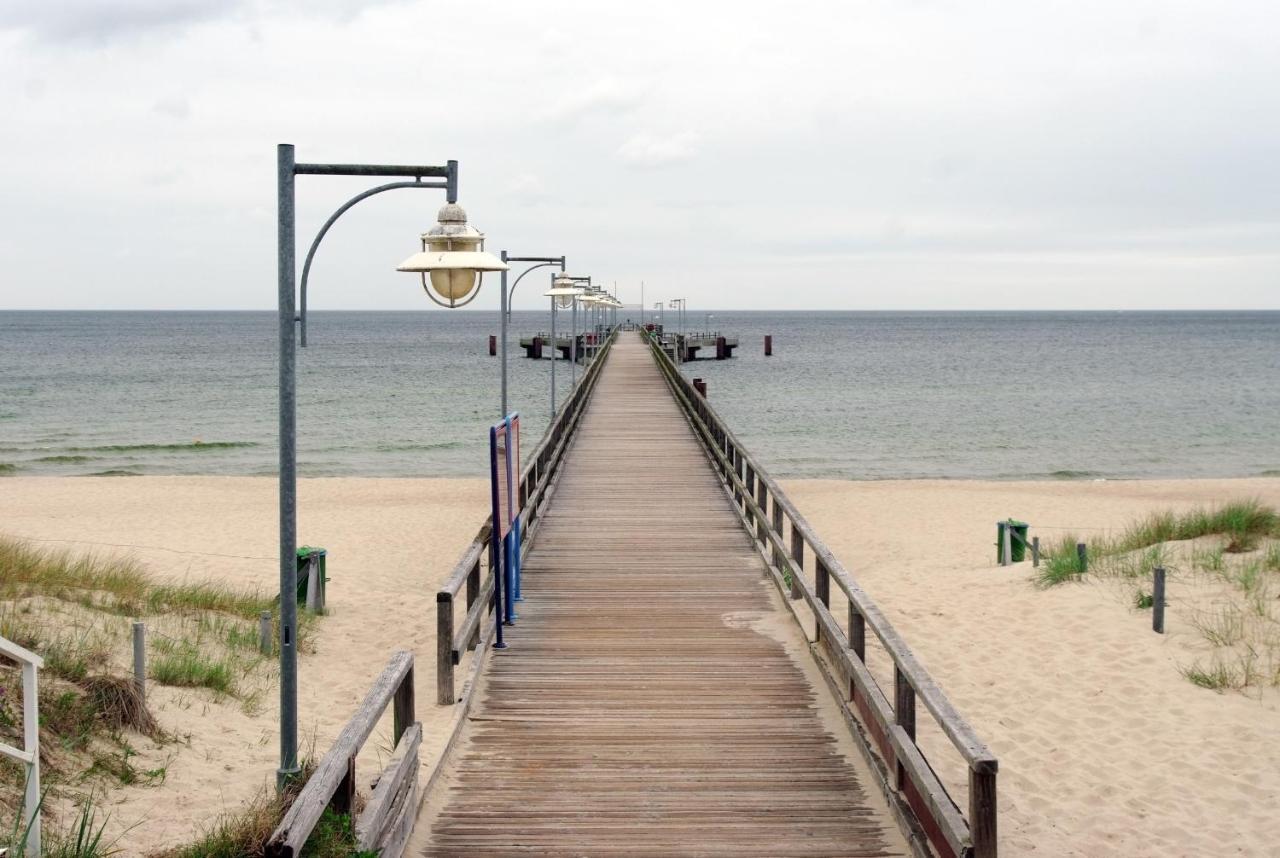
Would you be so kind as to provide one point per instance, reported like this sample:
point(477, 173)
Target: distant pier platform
point(706, 345)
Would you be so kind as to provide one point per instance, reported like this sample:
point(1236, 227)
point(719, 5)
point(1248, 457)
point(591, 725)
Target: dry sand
point(1104, 748)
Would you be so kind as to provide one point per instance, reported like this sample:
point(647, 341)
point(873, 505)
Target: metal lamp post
point(453, 254)
point(583, 298)
point(539, 262)
point(563, 294)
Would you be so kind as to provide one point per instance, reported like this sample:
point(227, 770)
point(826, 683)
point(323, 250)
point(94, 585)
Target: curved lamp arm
point(512, 291)
point(306, 266)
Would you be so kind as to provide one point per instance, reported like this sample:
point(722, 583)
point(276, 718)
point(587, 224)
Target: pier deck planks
point(627, 716)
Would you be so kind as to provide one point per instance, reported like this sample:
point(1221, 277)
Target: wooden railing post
point(444, 647)
point(797, 554)
point(749, 479)
point(904, 714)
point(822, 584)
point(344, 797)
point(982, 810)
point(857, 633)
point(762, 500)
point(473, 592)
point(403, 714)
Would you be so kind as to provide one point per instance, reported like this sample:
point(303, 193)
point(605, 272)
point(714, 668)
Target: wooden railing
point(787, 542)
point(537, 482)
point(27, 825)
point(387, 819)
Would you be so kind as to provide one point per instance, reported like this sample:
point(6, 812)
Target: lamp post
point(539, 262)
point(563, 294)
point(456, 263)
point(584, 297)
point(679, 304)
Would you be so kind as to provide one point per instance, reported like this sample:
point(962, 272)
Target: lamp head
point(454, 258)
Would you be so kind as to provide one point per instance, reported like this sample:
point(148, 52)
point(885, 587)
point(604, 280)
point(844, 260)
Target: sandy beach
point(1105, 748)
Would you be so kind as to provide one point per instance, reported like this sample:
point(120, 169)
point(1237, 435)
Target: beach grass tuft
point(186, 666)
point(1061, 563)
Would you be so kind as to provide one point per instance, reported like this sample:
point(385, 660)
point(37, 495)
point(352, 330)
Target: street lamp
point(563, 294)
point(679, 304)
point(540, 262)
point(573, 339)
point(452, 256)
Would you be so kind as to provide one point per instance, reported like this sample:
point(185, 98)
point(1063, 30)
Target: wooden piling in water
point(493, 346)
point(768, 345)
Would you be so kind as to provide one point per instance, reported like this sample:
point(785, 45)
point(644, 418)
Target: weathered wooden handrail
point(906, 775)
point(388, 817)
point(537, 481)
point(29, 755)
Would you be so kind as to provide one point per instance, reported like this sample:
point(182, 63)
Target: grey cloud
point(106, 20)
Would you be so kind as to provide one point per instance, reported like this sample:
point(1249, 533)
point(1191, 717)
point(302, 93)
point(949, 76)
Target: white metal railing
point(29, 754)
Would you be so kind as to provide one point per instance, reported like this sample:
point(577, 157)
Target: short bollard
point(264, 632)
point(1006, 544)
point(140, 658)
point(1082, 557)
point(768, 345)
point(1035, 551)
point(1157, 601)
point(493, 345)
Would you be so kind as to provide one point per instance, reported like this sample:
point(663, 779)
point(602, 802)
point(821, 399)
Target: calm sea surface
point(854, 395)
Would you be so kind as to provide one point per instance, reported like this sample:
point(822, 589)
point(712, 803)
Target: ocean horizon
point(1110, 394)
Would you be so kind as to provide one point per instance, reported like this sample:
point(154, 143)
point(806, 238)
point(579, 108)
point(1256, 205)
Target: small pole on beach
point(1157, 601)
point(1006, 543)
point(264, 632)
point(1035, 551)
point(768, 345)
point(1082, 555)
point(140, 658)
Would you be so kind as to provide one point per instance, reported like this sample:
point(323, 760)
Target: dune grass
point(1237, 619)
point(115, 584)
point(1141, 546)
point(74, 609)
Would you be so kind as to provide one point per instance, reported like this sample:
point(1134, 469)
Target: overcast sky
point(844, 155)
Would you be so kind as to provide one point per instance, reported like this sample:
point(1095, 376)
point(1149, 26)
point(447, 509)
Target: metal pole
point(573, 346)
point(555, 353)
point(286, 271)
point(503, 334)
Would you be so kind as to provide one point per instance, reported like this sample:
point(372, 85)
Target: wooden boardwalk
point(637, 711)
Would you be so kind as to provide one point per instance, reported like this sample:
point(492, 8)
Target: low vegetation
point(76, 611)
point(1227, 561)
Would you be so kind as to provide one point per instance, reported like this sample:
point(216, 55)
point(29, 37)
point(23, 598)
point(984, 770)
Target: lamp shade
point(564, 295)
point(454, 258)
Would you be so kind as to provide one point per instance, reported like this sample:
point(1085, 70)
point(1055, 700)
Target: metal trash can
point(1017, 540)
point(305, 553)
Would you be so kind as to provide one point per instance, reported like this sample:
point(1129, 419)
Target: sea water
point(857, 395)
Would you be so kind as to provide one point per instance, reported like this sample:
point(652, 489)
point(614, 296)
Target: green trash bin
point(1017, 540)
point(305, 553)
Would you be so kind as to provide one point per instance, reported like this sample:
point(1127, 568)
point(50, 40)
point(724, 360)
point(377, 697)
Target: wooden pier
point(647, 703)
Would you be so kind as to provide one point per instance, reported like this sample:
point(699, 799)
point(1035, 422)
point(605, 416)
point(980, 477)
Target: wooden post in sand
point(1082, 554)
point(1006, 543)
point(1157, 601)
point(264, 632)
point(140, 658)
point(1035, 551)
